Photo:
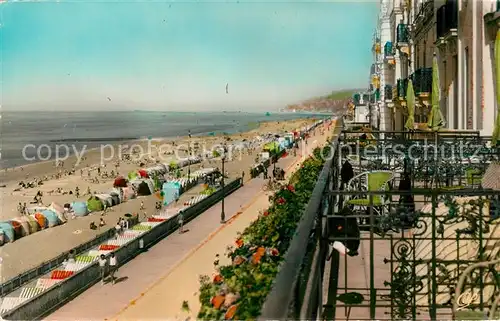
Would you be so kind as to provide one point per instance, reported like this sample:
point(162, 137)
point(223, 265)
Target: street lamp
point(222, 214)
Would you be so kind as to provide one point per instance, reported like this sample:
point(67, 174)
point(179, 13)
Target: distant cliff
point(335, 101)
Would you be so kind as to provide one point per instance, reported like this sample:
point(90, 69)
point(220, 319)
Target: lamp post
point(222, 214)
point(189, 154)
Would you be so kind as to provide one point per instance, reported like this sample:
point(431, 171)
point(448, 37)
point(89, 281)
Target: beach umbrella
point(436, 119)
point(496, 130)
point(410, 104)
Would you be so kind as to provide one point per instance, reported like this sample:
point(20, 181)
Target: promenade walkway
point(182, 256)
point(161, 301)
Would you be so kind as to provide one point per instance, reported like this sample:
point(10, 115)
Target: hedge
point(237, 291)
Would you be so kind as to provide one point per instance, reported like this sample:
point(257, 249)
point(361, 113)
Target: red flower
point(239, 243)
point(274, 252)
point(266, 213)
point(291, 188)
point(281, 201)
point(217, 279)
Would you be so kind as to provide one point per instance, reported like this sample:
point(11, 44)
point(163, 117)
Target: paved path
point(139, 275)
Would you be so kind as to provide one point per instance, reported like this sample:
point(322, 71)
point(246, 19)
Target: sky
point(179, 55)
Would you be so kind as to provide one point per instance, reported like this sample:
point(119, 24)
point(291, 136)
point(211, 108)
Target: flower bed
point(237, 291)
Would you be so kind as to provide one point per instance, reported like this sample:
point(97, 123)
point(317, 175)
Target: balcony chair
point(372, 181)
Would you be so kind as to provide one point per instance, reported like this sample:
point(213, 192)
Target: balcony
point(401, 85)
point(422, 82)
point(402, 35)
point(388, 93)
point(389, 50)
point(423, 17)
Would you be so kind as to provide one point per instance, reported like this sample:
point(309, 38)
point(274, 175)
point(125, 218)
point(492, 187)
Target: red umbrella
point(143, 173)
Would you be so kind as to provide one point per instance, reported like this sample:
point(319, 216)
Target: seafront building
point(462, 35)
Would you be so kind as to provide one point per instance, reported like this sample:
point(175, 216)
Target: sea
point(28, 131)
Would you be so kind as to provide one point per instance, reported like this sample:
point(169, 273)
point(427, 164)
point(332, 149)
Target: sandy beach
point(30, 251)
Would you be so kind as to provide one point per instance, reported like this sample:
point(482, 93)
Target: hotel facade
point(461, 33)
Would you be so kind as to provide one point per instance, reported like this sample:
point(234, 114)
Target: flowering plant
point(237, 291)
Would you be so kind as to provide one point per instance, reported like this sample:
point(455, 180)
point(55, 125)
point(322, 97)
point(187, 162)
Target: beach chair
point(372, 181)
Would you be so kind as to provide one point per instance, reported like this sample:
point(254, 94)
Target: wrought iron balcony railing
point(402, 35)
point(402, 84)
point(388, 92)
point(389, 50)
point(422, 81)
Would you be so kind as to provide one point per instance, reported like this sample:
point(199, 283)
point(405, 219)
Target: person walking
point(102, 267)
point(113, 267)
point(181, 222)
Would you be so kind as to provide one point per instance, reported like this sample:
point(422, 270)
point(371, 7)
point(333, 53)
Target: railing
point(389, 50)
point(413, 243)
point(402, 34)
point(297, 289)
point(422, 80)
point(402, 84)
point(405, 257)
point(388, 92)
point(22, 279)
point(55, 296)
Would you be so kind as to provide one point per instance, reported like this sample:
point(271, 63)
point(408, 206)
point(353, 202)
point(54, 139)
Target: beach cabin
point(171, 192)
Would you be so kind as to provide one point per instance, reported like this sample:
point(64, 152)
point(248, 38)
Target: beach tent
point(51, 218)
point(80, 208)
point(132, 175)
point(60, 211)
point(118, 191)
point(120, 181)
point(142, 173)
point(106, 199)
point(7, 232)
point(20, 229)
point(115, 198)
point(151, 184)
point(128, 194)
point(40, 218)
point(143, 189)
point(94, 204)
